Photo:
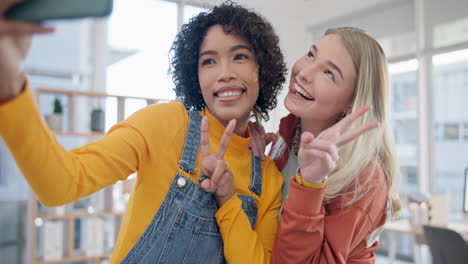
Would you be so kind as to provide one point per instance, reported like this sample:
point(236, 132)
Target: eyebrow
point(330, 63)
point(237, 47)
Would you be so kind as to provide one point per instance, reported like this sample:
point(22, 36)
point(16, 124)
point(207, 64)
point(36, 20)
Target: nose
point(226, 73)
point(307, 72)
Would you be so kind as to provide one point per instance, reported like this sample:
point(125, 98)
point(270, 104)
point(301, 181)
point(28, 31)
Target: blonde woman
point(336, 153)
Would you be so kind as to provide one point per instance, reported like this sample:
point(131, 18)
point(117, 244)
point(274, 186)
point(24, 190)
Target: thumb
point(306, 139)
point(208, 186)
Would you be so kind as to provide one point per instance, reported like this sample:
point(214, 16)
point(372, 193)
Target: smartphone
point(40, 10)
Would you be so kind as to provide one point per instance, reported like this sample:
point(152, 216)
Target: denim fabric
point(184, 229)
point(188, 161)
point(256, 176)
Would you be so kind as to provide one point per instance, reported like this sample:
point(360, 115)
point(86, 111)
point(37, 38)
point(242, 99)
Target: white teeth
point(229, 93)
point(302, 92)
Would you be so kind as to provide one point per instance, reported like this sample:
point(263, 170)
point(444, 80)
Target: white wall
point(444, 11)
point(383, 20)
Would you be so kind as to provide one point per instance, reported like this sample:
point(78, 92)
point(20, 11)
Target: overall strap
point(192, 143)
point(256, 176)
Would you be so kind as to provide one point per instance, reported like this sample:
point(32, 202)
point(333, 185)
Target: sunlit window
point(399, 45)
point(450, 90)
point(141, 33)
point(190, 11)
point(140, 36)
point(404, 96)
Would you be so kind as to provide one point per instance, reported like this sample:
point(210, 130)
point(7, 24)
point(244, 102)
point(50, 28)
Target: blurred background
point(103, 70)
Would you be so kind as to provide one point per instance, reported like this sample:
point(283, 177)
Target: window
point(190, 11)
point(140, 36)
point(451, 131)
point(403, 97)
point(402, 44)
point(465, 131)
point(449, 110)
point(451, 33)
point(139, 57)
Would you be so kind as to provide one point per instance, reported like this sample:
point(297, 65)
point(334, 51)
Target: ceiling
point(308, 12)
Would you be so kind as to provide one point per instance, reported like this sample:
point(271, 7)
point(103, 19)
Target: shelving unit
point(70, 254)
point(68, 217)
point(73, 96)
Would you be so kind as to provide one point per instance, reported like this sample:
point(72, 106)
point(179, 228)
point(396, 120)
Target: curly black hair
point(246, 24)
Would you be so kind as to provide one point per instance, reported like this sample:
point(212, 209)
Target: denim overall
point(184, 229)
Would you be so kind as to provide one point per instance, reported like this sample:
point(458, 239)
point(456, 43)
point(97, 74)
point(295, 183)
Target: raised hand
point(15, 39)
point(318, 156)
point(259, 139)
point(221, 180)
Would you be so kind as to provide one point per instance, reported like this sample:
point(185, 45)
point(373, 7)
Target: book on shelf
point(53, 240)
point(93, 236)
point(111, 226)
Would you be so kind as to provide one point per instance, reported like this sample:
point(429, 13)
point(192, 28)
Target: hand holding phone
point(40, 10)
point(15, 39)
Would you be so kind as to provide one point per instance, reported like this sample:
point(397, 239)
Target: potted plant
point(54, 120)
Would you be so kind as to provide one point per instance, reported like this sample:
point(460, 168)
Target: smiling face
point(322, 83)
point(228, 76)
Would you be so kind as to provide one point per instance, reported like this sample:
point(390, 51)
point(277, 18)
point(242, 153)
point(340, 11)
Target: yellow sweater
point(149, 142)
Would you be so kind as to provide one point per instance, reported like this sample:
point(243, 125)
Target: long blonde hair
point(377, 145)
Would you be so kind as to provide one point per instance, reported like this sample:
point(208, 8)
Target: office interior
point(105, 69)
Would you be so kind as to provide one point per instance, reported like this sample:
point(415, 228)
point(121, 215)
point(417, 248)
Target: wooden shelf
point(91, 94)
point(70, 252)
point(78, 134)
point(73, 97)
point(77, 215)
point(75, 259)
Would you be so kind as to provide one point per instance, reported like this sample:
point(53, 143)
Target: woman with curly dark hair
point(250, 27)
point(200, 195)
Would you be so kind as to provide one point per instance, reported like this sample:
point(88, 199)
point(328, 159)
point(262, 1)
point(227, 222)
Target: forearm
point(11, 88)
point(241, 243)
point(307, 235)
point(301, 228)
point(56, 175)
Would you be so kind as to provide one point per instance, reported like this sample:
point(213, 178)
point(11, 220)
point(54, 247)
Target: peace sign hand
point(318, 157)
point(221, 180)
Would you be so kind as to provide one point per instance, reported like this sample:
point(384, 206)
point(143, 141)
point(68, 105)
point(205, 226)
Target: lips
point(297, 90)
